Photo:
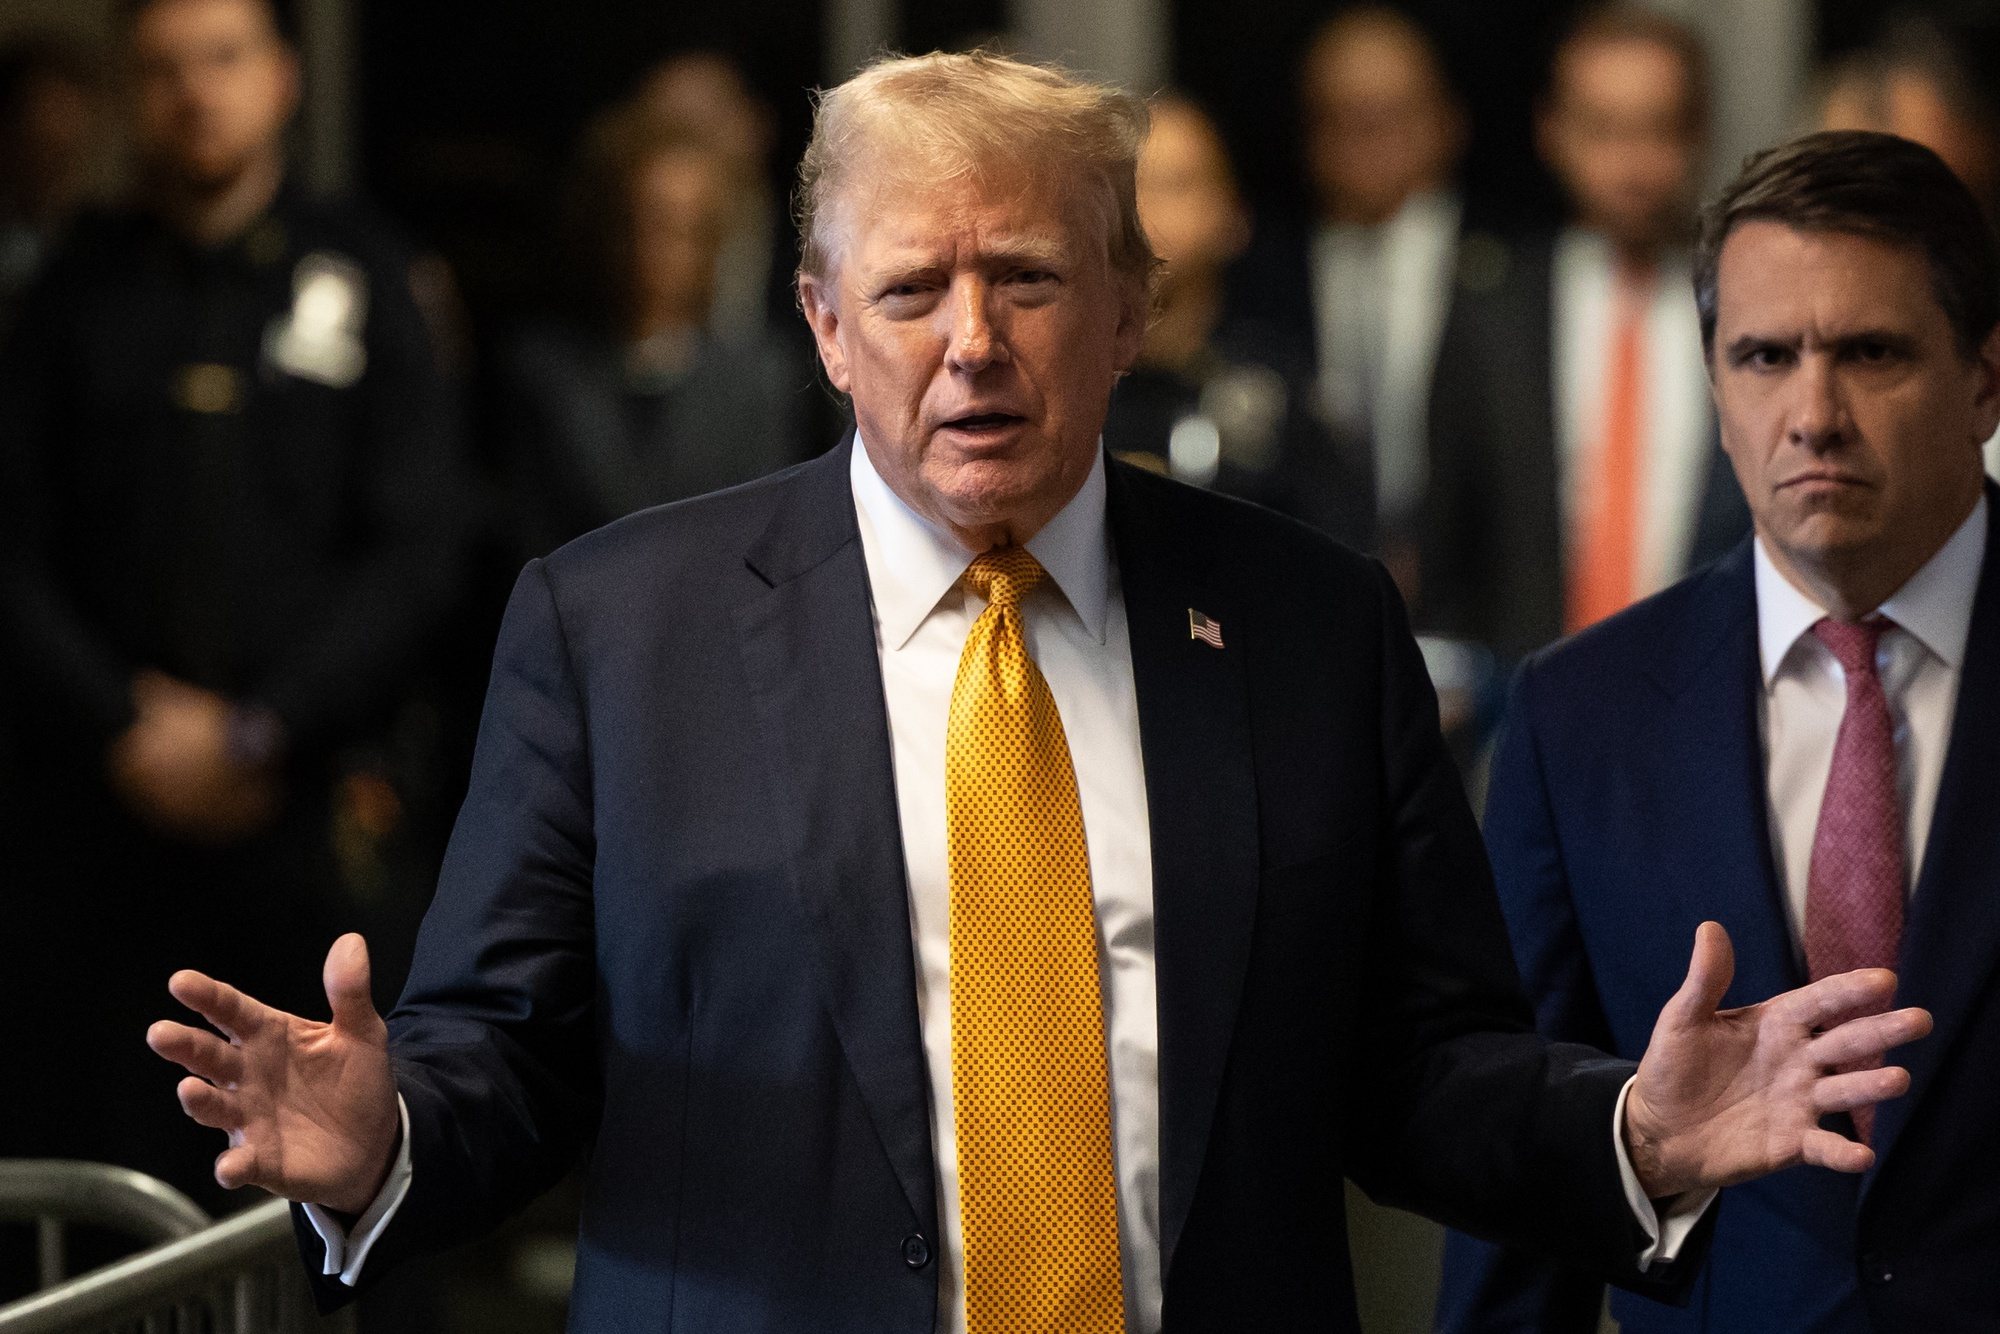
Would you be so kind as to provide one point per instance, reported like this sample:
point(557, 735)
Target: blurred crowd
point(261, 490)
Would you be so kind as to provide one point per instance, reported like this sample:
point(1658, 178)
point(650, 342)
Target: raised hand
point(310, 1108)
point(1726, 1095)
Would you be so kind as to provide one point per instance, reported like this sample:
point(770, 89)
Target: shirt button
point(916, 1251)
point(1875, 1269)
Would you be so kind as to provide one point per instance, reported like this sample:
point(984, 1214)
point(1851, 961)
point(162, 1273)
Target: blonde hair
point(949, 115)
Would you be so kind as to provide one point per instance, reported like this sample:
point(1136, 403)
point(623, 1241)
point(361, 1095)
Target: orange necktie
point(1604, 553)
point(1031, 1091)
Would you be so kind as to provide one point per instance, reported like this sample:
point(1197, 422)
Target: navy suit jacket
point(1627, 806)
point(672, 935)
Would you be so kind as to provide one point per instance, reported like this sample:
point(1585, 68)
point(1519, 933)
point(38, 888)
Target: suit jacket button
point(916, 1251)
point(1875, 1269)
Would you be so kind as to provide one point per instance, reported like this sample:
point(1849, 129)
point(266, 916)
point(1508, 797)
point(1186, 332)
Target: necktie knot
point(1852, 643)
point(1004, 575)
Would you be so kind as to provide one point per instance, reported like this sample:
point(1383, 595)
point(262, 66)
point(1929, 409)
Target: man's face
point(213, 87)
point(1379, 125)
point(1852, 419)
point(680, 217)
point(1187, 201)
point(1621, 136)
point(977, 327)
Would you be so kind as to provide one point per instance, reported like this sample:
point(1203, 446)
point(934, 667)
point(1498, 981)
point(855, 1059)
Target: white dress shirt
point(1379, 300)
point(1674, 402)
point(1076, 633)
point(1805, 695)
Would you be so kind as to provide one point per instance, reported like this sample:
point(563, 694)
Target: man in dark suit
point(1574, 466)
point(962, 884)
point(1359, 289)
point(1800, 742)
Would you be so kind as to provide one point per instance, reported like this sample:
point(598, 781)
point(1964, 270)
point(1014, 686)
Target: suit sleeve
point(1459, 1109)
point(1487, 1288)
point(494, 1040)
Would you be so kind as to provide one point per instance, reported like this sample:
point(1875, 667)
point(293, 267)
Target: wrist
point(1642, 1148)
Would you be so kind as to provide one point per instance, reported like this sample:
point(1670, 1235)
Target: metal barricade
point(237, 1276)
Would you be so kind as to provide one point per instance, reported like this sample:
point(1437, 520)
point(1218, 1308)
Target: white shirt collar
point(912, 563)
point(1934, 607)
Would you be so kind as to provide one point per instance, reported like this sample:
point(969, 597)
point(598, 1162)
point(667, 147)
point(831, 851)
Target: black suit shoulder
point(685, 540)
point(1241, 538)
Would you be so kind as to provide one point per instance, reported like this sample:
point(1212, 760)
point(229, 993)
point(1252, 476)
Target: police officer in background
point(229, 515)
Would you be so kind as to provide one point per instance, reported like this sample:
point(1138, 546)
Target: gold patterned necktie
point(1037, 1192)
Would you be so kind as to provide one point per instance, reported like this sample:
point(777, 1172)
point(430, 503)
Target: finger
point(1831, 999)
point(213, 1107)
point(1825, 1148)
point(218, 1002)
point(346, 977)
point(1867, 1038)
point(1859, 1088)
point(200, 1052)
point(237, 1167)
point(1710, 970)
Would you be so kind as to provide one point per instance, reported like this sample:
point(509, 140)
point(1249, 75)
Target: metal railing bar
point(116, 1198)
point(168, 1273)
point(51, 1252)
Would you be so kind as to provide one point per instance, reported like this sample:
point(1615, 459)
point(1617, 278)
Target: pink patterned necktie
point(1854, 893)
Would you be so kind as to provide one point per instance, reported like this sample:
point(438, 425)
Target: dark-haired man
point(1801, 742)
point(225, 462)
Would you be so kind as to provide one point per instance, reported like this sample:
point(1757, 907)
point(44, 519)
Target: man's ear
point(816, 300)
point(1135, 313)
point(1987, 401)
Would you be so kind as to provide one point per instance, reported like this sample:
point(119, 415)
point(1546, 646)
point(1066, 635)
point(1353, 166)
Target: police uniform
point(236, 465)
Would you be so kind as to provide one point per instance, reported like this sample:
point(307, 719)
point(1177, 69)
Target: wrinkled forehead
point(906, 201)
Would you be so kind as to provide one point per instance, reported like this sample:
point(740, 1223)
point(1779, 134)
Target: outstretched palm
point(310, 1108)
point(1726, 1095)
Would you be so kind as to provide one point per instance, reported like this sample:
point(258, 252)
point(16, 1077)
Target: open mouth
point(980, 422)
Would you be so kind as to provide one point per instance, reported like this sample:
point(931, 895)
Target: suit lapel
point(1952, 939)
point(1194, 733)
point(1718, 838)
point(808, 647)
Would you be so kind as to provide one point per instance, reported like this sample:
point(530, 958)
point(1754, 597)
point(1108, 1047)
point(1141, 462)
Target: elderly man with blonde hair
point(964, 884)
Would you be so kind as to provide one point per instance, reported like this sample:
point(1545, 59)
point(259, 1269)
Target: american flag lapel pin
point(1205, 628)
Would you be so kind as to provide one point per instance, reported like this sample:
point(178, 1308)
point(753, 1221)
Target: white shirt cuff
point(1664, 1235)
point(347, 1251)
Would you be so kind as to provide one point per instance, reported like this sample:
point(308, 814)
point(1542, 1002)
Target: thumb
point(346, 979)
point(1710, 971)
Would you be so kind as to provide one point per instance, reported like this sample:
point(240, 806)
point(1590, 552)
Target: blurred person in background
point(1800, 742)
point(1934, 79)
point(1220, 403)
point(52, 122)
point(1927, 80)
point(704, 95)
point(1364, 285)
point(644, 398)
point(229, 500)
point(1574, 458)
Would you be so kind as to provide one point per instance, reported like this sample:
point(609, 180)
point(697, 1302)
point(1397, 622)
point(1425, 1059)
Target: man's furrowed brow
point(1745, 343)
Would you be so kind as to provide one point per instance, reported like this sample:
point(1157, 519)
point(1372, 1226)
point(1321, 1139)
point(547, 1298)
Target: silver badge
point(319, 339)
